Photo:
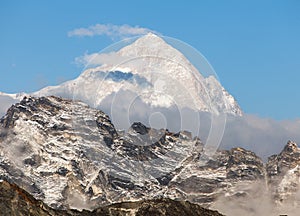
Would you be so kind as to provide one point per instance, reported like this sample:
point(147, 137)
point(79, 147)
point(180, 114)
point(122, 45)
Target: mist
point(263, 136)
point(5, 103)
point(258, 201)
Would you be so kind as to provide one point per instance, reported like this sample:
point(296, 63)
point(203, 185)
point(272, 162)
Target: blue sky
point(254, 46)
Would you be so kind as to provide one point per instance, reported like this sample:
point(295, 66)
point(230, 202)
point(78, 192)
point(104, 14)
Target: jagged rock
point(71, 156)
point(16, 201)
point(224, 172)
point(284, 173)
point(138, 127)
point(159, 207)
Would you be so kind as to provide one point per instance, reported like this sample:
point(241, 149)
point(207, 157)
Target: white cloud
point(261, 135)
point(5, 103)
point(112, 59)
point(265, 137)
point(96, 59)
point(113, 31)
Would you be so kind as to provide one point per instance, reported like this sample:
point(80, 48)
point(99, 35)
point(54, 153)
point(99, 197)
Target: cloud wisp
point(97, 59)
point(110, 30)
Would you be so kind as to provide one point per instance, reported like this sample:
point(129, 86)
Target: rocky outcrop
point(159, 207)
point(16, 201)
point(70, 156)
point(224, 173)
point(284, 173)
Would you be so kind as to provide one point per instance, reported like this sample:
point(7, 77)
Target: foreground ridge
point(16, 201)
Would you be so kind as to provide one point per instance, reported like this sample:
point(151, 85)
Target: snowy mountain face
point(150, 72)
point(147, 81)
point(71, 156)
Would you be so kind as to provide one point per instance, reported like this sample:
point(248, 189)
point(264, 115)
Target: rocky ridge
point(70, 156)
point(16, 201)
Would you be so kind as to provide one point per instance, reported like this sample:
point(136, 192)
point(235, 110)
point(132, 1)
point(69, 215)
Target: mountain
point(70, 155)
point(284, 173)
point(148, 73)
point(16, 201)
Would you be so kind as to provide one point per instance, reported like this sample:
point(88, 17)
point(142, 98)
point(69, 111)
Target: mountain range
point(124, 135)
point(148, 71)
point(70, 156)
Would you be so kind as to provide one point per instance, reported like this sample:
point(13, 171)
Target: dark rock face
point(238, 158)
point(159, 207)
point(140, 128)
point(16, 201)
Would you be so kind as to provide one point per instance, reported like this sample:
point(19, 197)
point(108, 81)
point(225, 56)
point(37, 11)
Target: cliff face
point(70, 156)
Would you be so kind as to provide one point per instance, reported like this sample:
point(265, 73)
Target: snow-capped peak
point(150, 71)
point(163, 65)
point(150, 38)
point(152, 46)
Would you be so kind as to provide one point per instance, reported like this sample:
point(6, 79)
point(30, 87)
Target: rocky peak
point(60, 149)
point(284, 173)
point(290, 147)
point(139, 128)
point(288, 158)
point(244, 164)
